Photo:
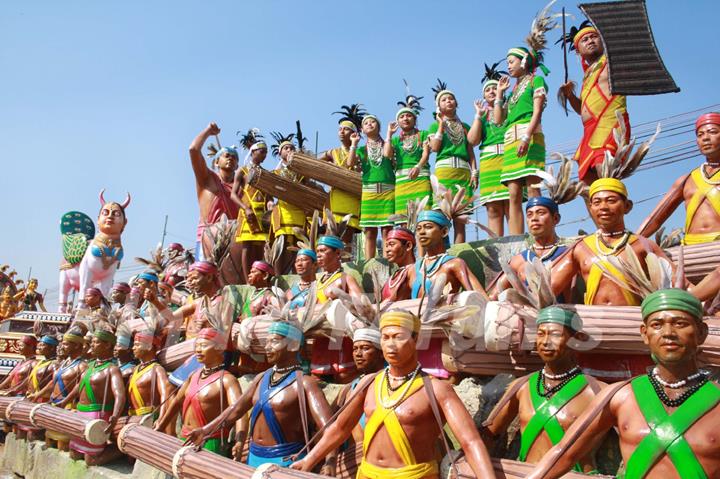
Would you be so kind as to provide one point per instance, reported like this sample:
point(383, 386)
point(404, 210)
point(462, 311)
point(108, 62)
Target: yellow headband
point(403, 319)
point(581, 33)
point(349, 124)
point(608, 184)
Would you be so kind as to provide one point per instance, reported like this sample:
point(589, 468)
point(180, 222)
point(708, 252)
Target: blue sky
point(110, 94)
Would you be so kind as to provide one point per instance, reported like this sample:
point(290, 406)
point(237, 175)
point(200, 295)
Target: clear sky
point(110, 94)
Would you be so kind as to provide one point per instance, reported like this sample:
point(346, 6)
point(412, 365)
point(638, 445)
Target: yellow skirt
point(343, 203)
point(285, 217)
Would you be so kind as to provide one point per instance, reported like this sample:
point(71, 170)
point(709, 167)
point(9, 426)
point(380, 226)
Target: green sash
point(667, 430)
point(85, 384)
point(545, 412)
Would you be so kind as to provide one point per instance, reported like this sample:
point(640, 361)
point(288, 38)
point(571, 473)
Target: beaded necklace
point(407, 383)
point(205, 372)
point(411, 142)
point(455, 131)
point(549, 392)
point(374, 152)
point(705, 175)
point(613, 249)
point(284, 372)
point(434, 267)
point(675, 402)
point(519, 89)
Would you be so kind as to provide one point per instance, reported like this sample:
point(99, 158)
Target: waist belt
point(278, 450)
point(453, 162)
point(699, 238)
point(514, 132)
point(377, 188)
point(492, 149)
point(425, 172)
point(94, 407)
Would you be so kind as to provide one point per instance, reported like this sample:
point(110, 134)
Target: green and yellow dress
point(343, 203)
point(491, 161)
point(286, 216)
point(408, 151)
point(257, 200)
point(520, 111)
point(451, 163)
point(378, 190)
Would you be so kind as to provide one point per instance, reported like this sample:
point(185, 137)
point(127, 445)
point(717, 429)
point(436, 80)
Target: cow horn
point(126, 203)
point(102, 197)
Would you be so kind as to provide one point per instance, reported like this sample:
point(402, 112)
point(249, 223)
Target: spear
point(564, 44)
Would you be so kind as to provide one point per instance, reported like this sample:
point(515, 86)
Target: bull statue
point(100, 257)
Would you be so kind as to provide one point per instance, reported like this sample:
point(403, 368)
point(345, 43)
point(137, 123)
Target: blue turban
point(123, 341)
point(309, 253)
point(149, 276)
point(287, 330)
point(542, 201)
point(331, 241)
point(227, 149)
point(51, 340)
point(434, 216)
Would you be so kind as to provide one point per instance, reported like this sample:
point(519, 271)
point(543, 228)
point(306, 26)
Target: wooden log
point(700, 259)
point(326, 172)
point(168, 454)
point(304, 197)
point(68, 422)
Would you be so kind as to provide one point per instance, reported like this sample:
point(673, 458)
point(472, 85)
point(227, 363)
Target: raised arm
point(437, 137)
point(334, 435)
point(353, 156)
point(388, 150)
point(662, 211)
point(499, 111)
point(467, 279)
point(463, 427)
point(202, 172)
point(475, 135)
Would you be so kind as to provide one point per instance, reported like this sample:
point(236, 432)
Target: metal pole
point(162, 242)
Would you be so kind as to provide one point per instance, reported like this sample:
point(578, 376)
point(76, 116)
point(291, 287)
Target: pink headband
point(205, 267)
point(712, 118)
point(401, 235)
point(93, 291)
point(263, 266)
point(122, 287)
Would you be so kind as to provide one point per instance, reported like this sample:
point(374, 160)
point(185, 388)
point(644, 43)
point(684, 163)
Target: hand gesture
point(213, 129)
point(522, 148)
point(478, 104)
point(150, 295)
point(354, 139)
point(196, 438)
point(237, 450)
point(328, 470)
point(392, 128)
point(439, 118)
point(301, 465)
point(111, 424)
point(473, 182)
point(503, 85)
point(568, 89)
point(414, 172)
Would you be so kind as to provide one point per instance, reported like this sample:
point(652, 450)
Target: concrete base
point(35, 461)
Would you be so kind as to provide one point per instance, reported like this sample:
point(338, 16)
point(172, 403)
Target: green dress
point(378, 190)
point(520, 111)
point(408, 153)
point(451, 162)
point(491, 161)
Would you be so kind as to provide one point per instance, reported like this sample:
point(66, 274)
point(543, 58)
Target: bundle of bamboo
point(68, 422)
point(304, 197)
point(326, 172)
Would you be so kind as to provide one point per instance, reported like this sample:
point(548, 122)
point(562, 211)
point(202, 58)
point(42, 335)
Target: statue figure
point(77, 231)
point(601, 111)
point(29, 298)
point(102, 257)
point(399, 250)
point(123, 350)
point(40, 376)
point(666, 418)
point(100, 394)
point(119, 295)
point(8, 305)
point(148, 385)
point(205, 394)
point(306, 268)
point(274, 399)
point(16, 382)
point(403, 408)
point(698, 190)
point(547, 401)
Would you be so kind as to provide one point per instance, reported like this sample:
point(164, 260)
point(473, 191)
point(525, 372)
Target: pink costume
point(222, 204)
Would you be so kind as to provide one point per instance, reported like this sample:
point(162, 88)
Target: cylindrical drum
point(172, 357)
point(19, 412)
point(699, 259)
point(348, 461)
point(506, 468)
point(144, 420)
point(304, 197)
point(326, 172)
point(69, 422)
point(5, 401)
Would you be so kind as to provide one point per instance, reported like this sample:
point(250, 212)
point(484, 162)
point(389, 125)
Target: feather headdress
point(157, 260)
point(561, 187)
point(457, 206)
point(543, 22)
point(307, 239)
point(353, 113)
point(414, 207)
point(569, 37)
point(335, 228)
point(299, 136)
point(364, 312)
point(492, 73)
point(622, 164)
point(411, 102)
point(280, 141)
point(248, 139)
point(439, 87)
point(222, 236)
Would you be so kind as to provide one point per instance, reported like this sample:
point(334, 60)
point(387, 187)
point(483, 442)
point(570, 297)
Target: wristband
point(478, 117)
point(437, 136)
point(525, 138)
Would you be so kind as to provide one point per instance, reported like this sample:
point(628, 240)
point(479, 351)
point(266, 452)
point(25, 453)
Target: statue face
point(366, 356)
point(327, 257)
point(515, 68)
point(100, 349)
point(370, 126)
point(448, 104)
point(398, 345)
point(490, 93)
point(257, 277)
point(285, 151)
point(70, 348)
point(304, 265)
point(27, 349)
point(60, 351)
point(44, 349)
point(32, 285)
point(541, 221)
point(92, 299)
point(141, 351)
point(590, 45)
point(258, 156)
point(276, 347)
point(344, 133)
point(708, 140)
point(430, 233)
point(206, 351)
point(407, 121)
point(198, 281)
point(118, 296)
point(608, 208)
point(227, 161)
point(112, 219)
point(673, 336)
point(551, 341)
point(396, 250)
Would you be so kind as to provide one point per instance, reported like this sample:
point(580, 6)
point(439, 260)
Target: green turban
point(672, 299)
point(553, 314)
point(106, 336)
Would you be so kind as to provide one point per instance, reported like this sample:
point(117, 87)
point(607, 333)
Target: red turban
point(263, 266)
point(401, 234)
point(712, 118)
point(205, 267)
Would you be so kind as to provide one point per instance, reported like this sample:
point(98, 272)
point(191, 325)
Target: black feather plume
point(353, 113)
point(250, 138)
point(492, 73)
point(299, 136)
point(279, 139)
point(569, 37)
point(441, 85)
